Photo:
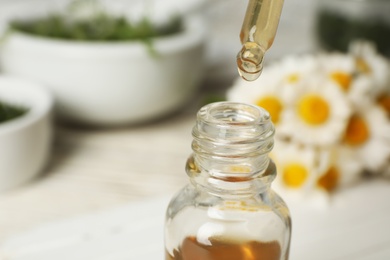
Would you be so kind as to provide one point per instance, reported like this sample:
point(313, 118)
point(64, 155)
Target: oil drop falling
point(250, 61)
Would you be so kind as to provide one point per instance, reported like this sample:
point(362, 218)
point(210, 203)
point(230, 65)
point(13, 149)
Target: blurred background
point(108, 122)
point(223, 19)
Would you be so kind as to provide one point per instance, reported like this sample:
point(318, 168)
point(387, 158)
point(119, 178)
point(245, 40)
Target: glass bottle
point(229, 211)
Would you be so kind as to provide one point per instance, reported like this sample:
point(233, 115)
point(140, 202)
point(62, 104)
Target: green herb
point(86, 20)
point(9, 112)
point(335, 31)
point(98, 27)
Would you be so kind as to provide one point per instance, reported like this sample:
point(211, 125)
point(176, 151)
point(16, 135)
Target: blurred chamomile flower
point(266, 92)
point(319, 113)
point(368, 136)
point(295, 68)
point(332, 118)
point(339, 68)
point(292, 71)
point(384, 102)
point(370, 63)
point(298, 173)
point(342, 70)
point(337, 168)
point(295, 164)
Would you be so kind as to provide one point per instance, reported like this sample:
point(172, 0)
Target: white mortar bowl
point(111, 83)
point(25, 141)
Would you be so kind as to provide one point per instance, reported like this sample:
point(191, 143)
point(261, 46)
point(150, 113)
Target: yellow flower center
point(357, 131)
point(313, 109)
point(272, 105)
point(329, 180)
point(294, 175)
point(293, 78)
point(384, 102)
point(343, 79)
point(362, 66)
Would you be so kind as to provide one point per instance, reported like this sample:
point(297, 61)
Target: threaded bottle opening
point(232, 124)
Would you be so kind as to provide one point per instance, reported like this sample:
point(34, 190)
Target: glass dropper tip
point(250, 61)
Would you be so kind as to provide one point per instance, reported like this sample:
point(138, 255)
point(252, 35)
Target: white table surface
point(355, 226)
point(95, 169)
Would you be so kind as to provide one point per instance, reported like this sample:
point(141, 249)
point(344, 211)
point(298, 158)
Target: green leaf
point(9, 112)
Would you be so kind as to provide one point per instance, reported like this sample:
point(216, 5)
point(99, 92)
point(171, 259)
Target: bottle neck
point(231, 145)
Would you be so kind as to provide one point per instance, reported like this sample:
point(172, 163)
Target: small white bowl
point(24, 141)
point(111, 83)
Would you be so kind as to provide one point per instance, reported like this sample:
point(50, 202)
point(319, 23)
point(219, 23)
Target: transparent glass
point(257, 35)
point(228, 210)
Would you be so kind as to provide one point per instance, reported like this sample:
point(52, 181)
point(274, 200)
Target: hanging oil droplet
point(257, 35)
point(250, 61)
